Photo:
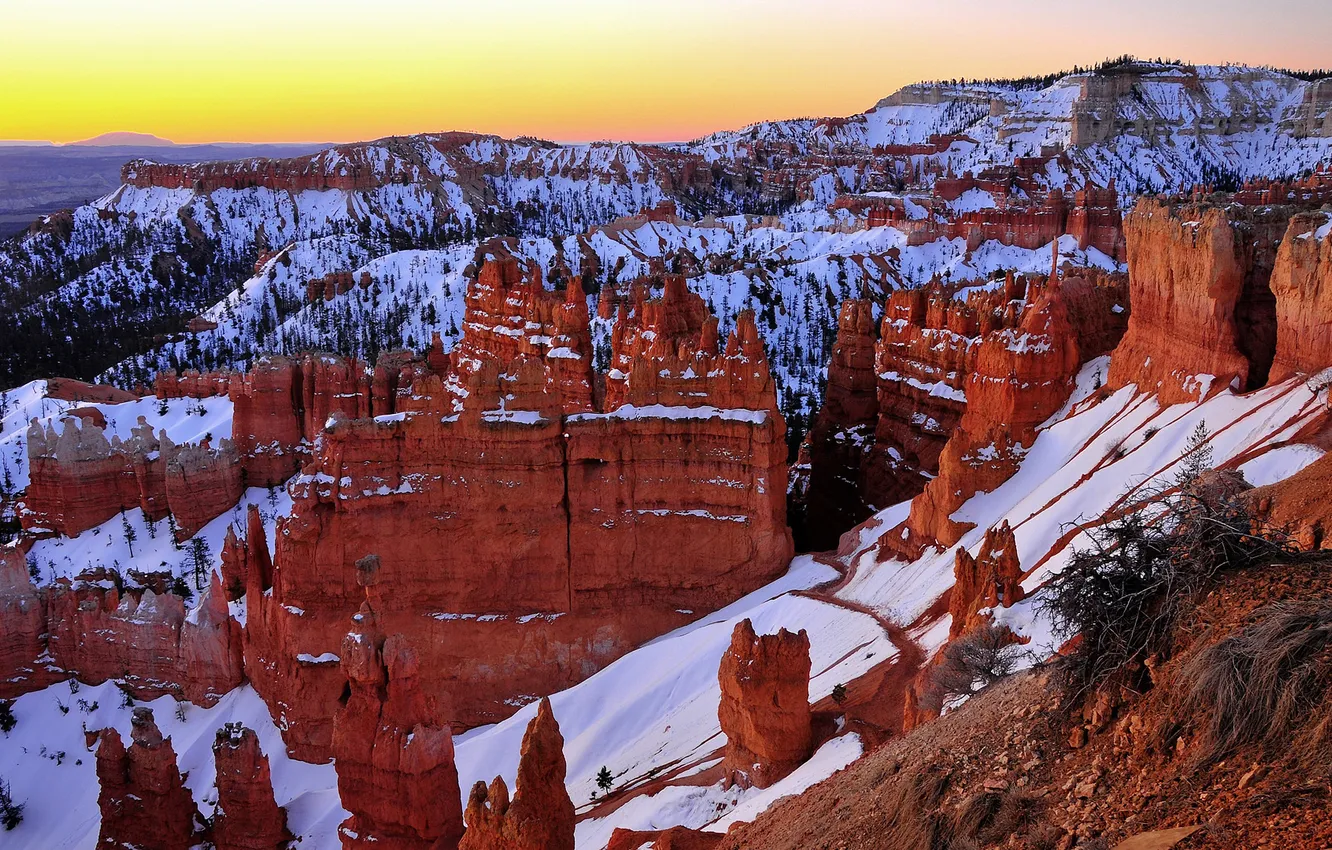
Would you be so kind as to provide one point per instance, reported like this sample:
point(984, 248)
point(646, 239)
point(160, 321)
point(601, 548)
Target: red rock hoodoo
point(394, 760)
point(992, 580)
point(248, 818)
point(144, 802)
point(541, 815)
point(764, 710)
point(144, 639)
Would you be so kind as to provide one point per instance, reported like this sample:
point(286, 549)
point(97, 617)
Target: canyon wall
point(959, 387)
point(528, 539)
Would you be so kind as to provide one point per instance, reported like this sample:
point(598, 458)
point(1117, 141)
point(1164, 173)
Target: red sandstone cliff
point(1199, 275)
point(541, 815)
point(1302, 284)
point(764, 709)
point(528, 546)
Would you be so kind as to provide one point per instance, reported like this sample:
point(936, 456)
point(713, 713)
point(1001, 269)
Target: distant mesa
point(125, 138)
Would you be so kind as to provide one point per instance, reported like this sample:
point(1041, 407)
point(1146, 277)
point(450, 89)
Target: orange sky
point(339, 70)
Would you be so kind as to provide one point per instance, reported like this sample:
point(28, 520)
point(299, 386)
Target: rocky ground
point(1020, 766)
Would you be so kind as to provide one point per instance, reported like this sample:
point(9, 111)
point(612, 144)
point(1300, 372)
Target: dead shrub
point(970, 663)
point(1261, 683)
point(1125, 593)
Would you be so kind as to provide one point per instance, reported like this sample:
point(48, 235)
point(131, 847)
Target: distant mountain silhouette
point(126, 138)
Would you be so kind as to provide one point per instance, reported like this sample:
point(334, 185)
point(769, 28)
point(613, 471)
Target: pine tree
point(604, 779)
point(11, 813)
point(130, 534)
point(1197, 458)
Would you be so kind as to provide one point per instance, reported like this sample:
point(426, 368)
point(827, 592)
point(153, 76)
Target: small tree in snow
point(1197, 457)
point(130, 534)
point(7, 719)
point(11, 813)
point(604, 779)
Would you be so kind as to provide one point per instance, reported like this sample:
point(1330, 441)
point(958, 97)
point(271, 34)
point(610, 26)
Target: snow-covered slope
point(651, 717)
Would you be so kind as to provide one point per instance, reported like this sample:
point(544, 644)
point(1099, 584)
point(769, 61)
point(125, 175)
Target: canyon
point(496, 482)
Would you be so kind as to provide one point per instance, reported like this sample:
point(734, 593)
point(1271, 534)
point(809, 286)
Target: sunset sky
point(341, 70)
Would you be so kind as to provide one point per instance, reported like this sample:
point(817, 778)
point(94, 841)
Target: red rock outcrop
point(509, 313)
point(1199, 275)
point(143, 799)
point(24, 665)
point(541, 815)
point(248, 818)
point(202, 483)
point(1021, 377)
point(240, 557)
point(1093, 217)
point(528, 546)
point(394, 760)
point(934, 354)
point(675, 838)
point(144, 639)
point(266, 423)
point(764, 709)
point(991, 580)
point(79, 479)
point(1302, 283)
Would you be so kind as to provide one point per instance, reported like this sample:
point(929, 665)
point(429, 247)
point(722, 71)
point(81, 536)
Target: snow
point(1074, 473)
point(60, 797)
point(106, 546)
point(1279, 463)
point(656, 709)
point(675, 412)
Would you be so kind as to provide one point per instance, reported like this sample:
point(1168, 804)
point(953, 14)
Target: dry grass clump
point(1262, 683)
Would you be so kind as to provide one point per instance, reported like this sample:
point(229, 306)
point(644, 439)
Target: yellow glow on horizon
point(341, 70)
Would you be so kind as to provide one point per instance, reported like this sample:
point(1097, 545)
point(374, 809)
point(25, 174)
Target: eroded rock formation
point(80, 479)
point(144, 638)
point(992, 579)
point(394, 760)
point(764, 709)
point(527, 545)
point(1204, 315)
point(540, 816)
point(1302, 284)
point(144, 802)
point(248, 818)
point(23, 663)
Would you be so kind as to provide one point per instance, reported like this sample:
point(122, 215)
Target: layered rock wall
point(1302, 284)
point(1204, 315)
point(529, 541)
point(144, 639)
